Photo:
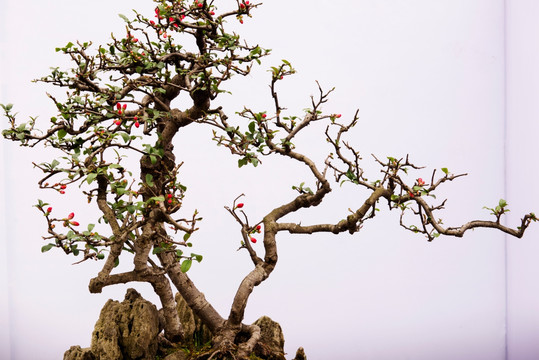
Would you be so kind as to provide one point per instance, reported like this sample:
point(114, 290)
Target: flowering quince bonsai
point(136, 80)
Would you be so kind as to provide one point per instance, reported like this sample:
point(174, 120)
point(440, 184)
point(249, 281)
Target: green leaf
point(61, 134)
point(47, 247)
point(124, 18)
point(91, 227)
point(125, 136)
point(252, 127)
point(502, 203)
point(186, 265)
point(100, 256)
point(149, 180)
point(197, 257)
point(157, 250)
point(445, 171)
point(186, 236)
point(117, 262)
point(91, 177)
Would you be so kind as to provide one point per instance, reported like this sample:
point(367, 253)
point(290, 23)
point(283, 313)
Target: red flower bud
point(258, 227)
point(74, 223)
point(171, 19)
point(253, 240)
point(338, 116)
point(169, 196)
point(71, 216)
point(263, 116)
point(124, 106)
point(118, 106)
point(239, 206)
point(152, 22)
point(200, 5)
point(137, 124)
point(62, 192)
point(118, 122)
point(49, 210)
point(242, 6)
point(170, 201)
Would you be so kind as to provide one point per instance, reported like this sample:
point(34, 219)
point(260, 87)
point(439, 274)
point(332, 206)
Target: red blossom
point(239, 206)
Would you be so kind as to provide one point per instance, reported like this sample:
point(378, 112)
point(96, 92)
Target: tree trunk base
point(122, 325)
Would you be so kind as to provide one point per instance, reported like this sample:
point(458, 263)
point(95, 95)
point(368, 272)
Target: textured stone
point(300, 354)
point(271, 344)
point(195, 332)
point(178, 355)
point(78, 353)
point(127, 330)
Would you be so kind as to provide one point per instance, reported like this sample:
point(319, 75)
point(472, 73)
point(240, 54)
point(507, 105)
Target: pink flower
point(420, 182)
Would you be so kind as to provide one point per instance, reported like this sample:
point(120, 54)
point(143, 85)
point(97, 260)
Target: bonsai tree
point(131, 98)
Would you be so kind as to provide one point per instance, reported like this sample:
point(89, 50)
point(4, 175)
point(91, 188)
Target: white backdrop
point(453, 83)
